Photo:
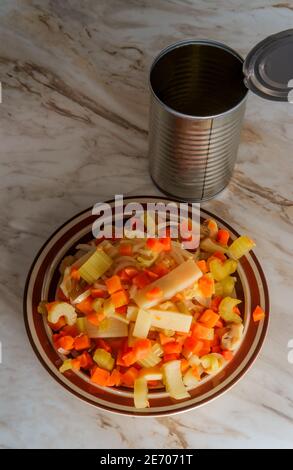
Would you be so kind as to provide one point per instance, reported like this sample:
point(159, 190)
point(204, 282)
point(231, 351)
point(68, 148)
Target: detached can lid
point(268, 68)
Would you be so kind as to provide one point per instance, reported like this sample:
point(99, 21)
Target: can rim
point(185, 42)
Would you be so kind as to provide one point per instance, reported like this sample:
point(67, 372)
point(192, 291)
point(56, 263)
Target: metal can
point(198, 101)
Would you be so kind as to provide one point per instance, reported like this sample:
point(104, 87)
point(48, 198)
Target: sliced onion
point(84, 295)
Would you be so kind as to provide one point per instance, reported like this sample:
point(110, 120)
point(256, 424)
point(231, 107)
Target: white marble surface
point(73, 132)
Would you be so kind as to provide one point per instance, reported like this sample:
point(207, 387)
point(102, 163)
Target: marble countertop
point(73, 132)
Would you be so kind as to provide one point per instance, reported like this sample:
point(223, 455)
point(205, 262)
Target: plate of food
point(144, 326)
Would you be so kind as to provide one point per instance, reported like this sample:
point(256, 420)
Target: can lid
point(268, 68)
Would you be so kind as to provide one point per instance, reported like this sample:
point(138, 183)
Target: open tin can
point(198, 96)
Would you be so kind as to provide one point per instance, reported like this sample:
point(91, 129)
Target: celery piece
point(172, 378)
point(219, 289)
point(96, 265)
point(62, 309)
point(189, 379)
point(67, 365)
point(240, 247)
point(97, 305)
point(140, 393)
point(104, 359)
point(132, 312)
point(228, 285)
point(153, 358)
point(226, 310)
point(81, 324)
point(108, 308)
point(221, 270)
point(42, 309)
point(194, 360)
point(212, 363)
point(182, 308)
point(225, 287)
point(142, 324)
point(211, 246)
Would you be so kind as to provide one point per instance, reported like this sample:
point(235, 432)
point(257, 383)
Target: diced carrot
point(154, 244)
point(119, 360)
point(258, 314)
point(216, 300)
point(85, 360)
point(151, 274)
point(209, 318)
point(141, 280)
point(177, 297)
point(153, 383)
point(125, 249)
point(122, 310)
point(129, 358)
point(113, 284)
point(172, 348)
point(193, 345)
point(196, 372)
point(236, 310)
point(202, 264)
point(115, 378)
point(206, 285)
point(154, 293)
point(223, 236)
point(220, 331)
point(200, 331)
point(220, 256)
point(219, 324)
point(129, 376)
point(65, 342)
point(228, 355)
point(98, 293)
point(184, 365)
point(166, 243)
point(160, 269)
point(123, 275)
point(59, 324)
point(119, 298)
point(170, 357)
point(206, 348)
point(81, 342)
point(50, 305)
point(131, 272)
point(95, 318)
point(86, 306)
point(139, 351)
point(103, 344)
point(100, 377)
point(75, 363)
point(216, 341)
point(166, 339)
point(70, 330)
point(74, 274)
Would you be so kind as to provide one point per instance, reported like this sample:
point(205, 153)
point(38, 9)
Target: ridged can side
point(193, 159)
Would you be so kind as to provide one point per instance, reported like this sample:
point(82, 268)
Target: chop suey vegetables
point(145, 313)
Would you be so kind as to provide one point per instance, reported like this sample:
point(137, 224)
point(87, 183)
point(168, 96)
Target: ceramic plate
point(42, 282)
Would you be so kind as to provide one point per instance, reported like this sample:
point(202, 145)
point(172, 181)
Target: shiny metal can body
point(197, 106)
